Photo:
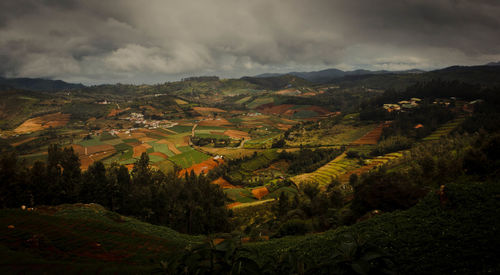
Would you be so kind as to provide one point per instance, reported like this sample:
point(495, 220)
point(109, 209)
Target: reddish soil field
point(115, 112)
point(207, 110)
point(215, 122)
point(287, 92)
point(171, 146)
point(236, 134)
point(139, 149)
point(231, 205)
point(43, 122)
point(124, 135)
point(308, 94)
point(319, 110)
point(99, 148)
point(91, 150)
point(160, 133)
point(80, 150)
point(149, 107)
point(23, 141)
point(236, 112)
point(223, 183)
point(371, 137)
point(146, 139)
point(283, 127)
point(276, 110)
point(137, 135)
point(260, 192)
point(87, 160)
point(185, 141)
point(202, 167)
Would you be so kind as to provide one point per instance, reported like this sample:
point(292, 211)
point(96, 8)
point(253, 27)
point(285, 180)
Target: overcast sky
point(153, 41)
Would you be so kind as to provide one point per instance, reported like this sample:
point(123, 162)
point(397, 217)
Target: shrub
point(293, 227)
point(392, 144)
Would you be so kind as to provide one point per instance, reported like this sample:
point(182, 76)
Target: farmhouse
point(392, 107)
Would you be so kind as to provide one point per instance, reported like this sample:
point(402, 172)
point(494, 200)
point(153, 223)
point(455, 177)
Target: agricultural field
point(245, 171)
point(43, 122)
point(340, 134)
point(372, 137)
point(188, 157)
point(342, 167)
point(259, 101)
point(444, 130)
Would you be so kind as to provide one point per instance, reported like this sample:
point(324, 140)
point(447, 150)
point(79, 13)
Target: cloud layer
point(130, 41)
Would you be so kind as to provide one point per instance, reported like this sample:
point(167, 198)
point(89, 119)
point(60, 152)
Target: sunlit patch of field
point(337, 135)
point(188, 157)
point(202, 167)
point(42, 123)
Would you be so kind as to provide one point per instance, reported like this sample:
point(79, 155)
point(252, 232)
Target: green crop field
point(122, 147)
point(305, 114)
point(93, 141)
point(262, 160)
point(181, 128)
point(114, 141)
point(162, 148)
point(106, 136)
point(166, 166)
point(155, 159)
point(289, 190)
point(243, 100)
point(242, 195)
point(131, 140)
point(188, 157)
point(260, 101)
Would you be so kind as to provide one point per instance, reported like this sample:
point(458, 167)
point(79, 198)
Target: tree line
point(189, 204)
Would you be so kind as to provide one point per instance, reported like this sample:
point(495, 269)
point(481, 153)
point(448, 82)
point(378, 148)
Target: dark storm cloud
point(149, 41)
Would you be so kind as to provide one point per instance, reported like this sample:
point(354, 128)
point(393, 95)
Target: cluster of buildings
point(138, 118)
point(253, 114)
point(403, 104)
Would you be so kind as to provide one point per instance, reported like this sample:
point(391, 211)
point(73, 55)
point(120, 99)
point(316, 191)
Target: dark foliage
point(190, 204)
point(307, 160)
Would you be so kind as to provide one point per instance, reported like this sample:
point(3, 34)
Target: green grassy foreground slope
point(82, 238)
point(457, 233)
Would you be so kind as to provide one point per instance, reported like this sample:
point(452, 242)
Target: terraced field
point(370, 164)
point(444, 129)
point(341, 168)
point(326, 173)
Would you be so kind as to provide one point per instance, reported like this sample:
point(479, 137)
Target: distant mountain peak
point(333, 73)
point(38, 84)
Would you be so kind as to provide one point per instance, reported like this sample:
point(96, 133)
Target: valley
point(255, 162)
